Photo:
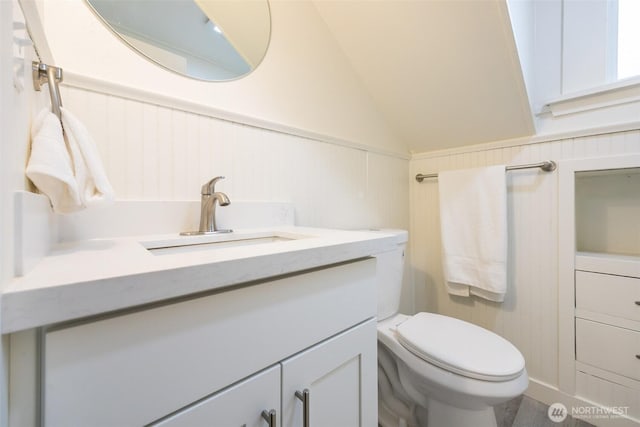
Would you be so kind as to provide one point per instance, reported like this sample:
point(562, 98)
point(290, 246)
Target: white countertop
point(91, 277)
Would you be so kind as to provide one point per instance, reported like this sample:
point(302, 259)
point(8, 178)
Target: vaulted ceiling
point(445, 73)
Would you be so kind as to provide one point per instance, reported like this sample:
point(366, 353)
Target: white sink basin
point(185, 244)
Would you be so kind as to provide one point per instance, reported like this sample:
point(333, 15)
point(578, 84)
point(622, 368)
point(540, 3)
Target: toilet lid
point(460, 347)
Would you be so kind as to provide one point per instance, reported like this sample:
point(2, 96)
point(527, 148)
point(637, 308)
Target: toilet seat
point(460, 347)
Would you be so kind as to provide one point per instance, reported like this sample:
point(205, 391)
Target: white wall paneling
point(529, 317)
point(154, 152)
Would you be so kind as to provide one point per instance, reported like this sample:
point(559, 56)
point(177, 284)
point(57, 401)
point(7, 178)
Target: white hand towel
point(50, 167)
point(473, 218)
point(93, 184)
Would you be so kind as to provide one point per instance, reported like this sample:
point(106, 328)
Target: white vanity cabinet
point(227, 355)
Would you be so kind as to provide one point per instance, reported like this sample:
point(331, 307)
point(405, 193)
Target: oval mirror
point(213, 40)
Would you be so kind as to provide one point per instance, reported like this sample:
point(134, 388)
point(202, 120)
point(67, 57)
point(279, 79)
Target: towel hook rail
point(547, 166)
point(43, 73)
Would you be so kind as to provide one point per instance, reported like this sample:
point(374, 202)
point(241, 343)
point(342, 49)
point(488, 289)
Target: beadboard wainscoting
point(529, 315)
point(153, 152)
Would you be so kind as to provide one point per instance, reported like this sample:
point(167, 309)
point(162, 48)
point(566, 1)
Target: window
point(600, 42)
point(628, 39)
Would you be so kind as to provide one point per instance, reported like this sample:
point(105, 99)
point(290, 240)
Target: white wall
point(346, 170)
point(5, 136)
point(342, 173)
point(16, 106)
point(522, 16)
point(19, 102)
point(159, 153)
point(304, 81)
point(529, 315)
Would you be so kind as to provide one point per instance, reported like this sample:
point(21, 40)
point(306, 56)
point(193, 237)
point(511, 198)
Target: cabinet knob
point(270, 417)
point(637, 302)
point(305, 398)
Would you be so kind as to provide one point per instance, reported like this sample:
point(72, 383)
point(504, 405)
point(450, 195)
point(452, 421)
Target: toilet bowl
point(436, 370)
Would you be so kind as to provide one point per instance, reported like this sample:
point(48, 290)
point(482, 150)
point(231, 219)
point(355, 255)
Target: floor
point(526, 412)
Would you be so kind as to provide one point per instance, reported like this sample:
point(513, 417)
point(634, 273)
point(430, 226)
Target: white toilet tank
point(390, 267)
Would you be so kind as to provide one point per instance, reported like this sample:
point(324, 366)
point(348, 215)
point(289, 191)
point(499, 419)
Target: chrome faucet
point(208, 206)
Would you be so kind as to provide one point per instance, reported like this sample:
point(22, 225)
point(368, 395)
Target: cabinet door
point(341, 377)
point(240, 405)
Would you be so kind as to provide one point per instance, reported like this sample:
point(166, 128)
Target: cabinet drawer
point(239, 405)
point(608, 294)
point(608, 347)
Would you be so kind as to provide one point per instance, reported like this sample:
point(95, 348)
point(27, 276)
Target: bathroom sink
point(186, 244)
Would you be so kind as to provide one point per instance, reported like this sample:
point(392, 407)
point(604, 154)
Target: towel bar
point(547, 166)
point(43, 73)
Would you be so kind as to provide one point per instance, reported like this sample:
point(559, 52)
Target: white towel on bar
point(65, 165)
point(473, 218)
point(93, 184)
point(50, 167)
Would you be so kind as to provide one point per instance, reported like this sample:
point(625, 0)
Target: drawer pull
point(637, 302)
point(637, 356)
point(304, 397)
point(270, 417)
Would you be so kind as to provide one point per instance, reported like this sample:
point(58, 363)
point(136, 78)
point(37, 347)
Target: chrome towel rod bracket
point(547, 166)
point(43, 73)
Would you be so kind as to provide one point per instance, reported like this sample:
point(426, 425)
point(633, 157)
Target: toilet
point(436, 370)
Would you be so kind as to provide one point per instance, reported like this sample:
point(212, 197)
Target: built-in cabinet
point(600, 288)
point(266, 353)
point(607, 330)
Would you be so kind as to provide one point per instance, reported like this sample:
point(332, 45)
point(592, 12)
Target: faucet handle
point(209, 187)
